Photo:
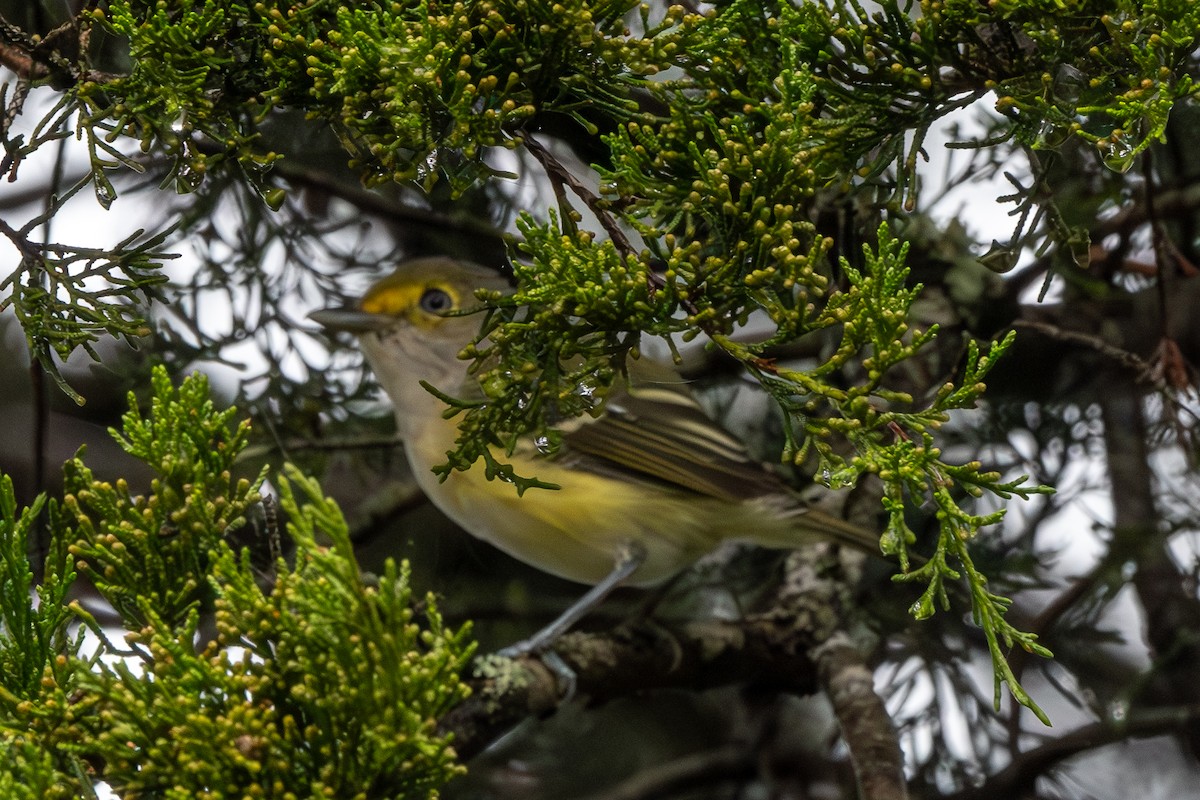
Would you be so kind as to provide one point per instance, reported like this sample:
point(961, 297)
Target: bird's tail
point(797, 524)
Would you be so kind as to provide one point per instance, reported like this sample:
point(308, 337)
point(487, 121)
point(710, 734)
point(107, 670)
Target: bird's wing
point(656, 431)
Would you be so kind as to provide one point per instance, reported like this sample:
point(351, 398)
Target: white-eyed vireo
point(647, 487)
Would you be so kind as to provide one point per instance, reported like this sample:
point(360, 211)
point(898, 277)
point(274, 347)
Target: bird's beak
point(351, 319)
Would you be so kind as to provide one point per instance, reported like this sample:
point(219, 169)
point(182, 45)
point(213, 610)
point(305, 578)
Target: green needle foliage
point(156, 548)
point(39, 658)
point(309, 682)
point(33, 632)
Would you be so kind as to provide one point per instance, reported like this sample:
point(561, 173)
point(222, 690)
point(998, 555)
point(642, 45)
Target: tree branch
point(377, 204)
point(19, 62)
point(561, 176)
point(812, 593)
point(1019, 776)
point(866, 726)
point(632, 658)
point(796, 645)
point(1140, 367)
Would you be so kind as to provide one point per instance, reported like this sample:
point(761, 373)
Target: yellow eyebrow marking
point(397, 299)
point(390, 299)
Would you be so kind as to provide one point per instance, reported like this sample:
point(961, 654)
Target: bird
point(646, 487)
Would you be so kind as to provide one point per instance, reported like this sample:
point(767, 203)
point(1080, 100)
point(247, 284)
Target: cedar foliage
point(720, 135)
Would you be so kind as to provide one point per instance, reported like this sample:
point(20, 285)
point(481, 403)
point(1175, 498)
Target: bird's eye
point(436, 301)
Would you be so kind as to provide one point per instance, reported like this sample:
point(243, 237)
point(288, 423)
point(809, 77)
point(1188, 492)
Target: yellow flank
point(576, 531)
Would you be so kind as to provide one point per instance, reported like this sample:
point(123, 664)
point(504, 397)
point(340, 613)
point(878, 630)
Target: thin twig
point(688, 772)
point(1049, 616)
point(1158, 238)
point(1019, 776)
point(324, 445)
point(1123, 357)
point(16, 47)
point(377, 204)
point(28, 249)
point(34, 60)
point(559, 173)
point(18, 61)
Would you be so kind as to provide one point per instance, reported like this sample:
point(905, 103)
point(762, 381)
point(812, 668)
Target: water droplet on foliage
point(105, 194)
point(274, 198)
point(1051, 136)
point(187, 179)
point(586, 390)
point(1000, 258)
point(1119, 154)
point(1069, 83)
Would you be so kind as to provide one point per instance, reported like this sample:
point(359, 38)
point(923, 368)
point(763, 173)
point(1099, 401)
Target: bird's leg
point(629, 558)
